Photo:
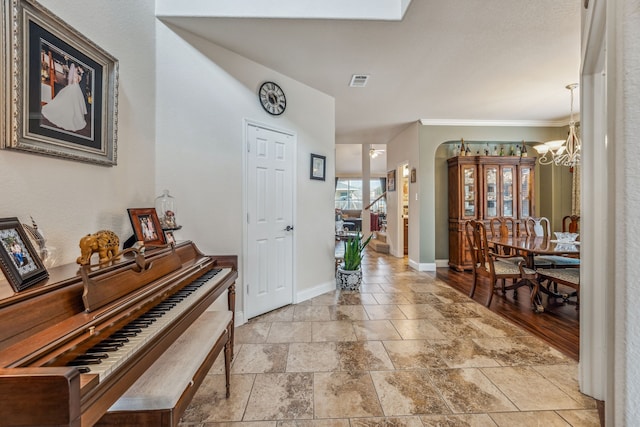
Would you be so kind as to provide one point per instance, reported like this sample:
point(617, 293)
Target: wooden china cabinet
point(485, 187)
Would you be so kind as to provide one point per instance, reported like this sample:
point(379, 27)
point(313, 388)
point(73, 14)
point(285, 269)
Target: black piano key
point(105, 347)
point(83, 369)
point(84, 360)
point(97, 354)
point(124, 334)
point(117, 338)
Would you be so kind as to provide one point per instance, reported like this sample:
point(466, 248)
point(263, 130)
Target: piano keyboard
point(108, 355)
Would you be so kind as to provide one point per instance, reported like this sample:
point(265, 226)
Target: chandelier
point(562, 152)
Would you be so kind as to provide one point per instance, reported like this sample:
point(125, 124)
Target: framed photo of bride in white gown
point(60, 90)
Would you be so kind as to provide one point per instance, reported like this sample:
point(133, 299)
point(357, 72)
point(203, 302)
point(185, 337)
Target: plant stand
point(349, 280)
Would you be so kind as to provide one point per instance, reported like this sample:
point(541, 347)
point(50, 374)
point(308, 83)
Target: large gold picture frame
point(59, 88)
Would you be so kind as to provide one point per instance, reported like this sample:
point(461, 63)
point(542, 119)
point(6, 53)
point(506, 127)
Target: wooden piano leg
point(227, 363)
point(231, 306)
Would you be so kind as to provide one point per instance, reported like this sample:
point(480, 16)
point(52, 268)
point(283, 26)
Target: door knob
point(289, 228)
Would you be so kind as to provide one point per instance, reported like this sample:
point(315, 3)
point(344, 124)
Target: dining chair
point(504, 226)
point(571, 224)
point(539, 227)
point(493, 266)
point(564, 276)
point(557, 261)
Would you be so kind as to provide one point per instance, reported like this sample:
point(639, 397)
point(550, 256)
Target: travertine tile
point(581, 417)
point(348, 312)
point(253, 332)
point(209, 404)
point(417, 329)
point(463, 420)
point(355, 298)
point(538, 418)
point(260, 358)
point(280, 397)
point(464, 353)
point(457, 328)
point(468, 390)
point(413, 354)
point(363, 356)
point(565, 377)
point(286, 332)
point(345, 394)
point(312, 357)
point(420, 311)
point(448, 295)
point(314, 423)
point(522, 351)
point(382, 312)
point(391, 298)
point(372, 288)
point(407, 393)
point(237, 424)
point(308, 313)
point(333, 331)
point(457, 310)
point(284, 314)
point(409, 421)
point(375, 330)
point(495, 327)
point(518, 382)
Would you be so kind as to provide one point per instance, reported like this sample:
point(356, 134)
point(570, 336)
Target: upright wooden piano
point(50, 332)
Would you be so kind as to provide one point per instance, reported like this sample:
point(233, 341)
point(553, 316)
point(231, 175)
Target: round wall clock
point(272, 98)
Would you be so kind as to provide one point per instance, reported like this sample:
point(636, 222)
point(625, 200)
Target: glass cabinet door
point(469, 191)
point(491, 191)
point(507, 192)
point(526, 192)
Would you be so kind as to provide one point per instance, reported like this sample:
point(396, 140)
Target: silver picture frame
point(60, 89)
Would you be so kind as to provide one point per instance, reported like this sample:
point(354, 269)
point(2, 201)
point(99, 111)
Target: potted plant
point(349, 274)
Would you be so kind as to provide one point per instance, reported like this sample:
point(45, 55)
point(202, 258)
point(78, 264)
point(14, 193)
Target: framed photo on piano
point(146, 226)
point(19, 260)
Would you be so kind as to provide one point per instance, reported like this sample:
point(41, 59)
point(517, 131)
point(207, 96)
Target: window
point(349, 194)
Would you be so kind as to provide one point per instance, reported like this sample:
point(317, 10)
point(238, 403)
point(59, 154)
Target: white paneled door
point(270, 228)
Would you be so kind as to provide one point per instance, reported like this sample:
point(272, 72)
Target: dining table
point(530, 246)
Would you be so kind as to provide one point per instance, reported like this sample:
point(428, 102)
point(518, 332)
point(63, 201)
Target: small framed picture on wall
point(391, 180)
point(318, 167)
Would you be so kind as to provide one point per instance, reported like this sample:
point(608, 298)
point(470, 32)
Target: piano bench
point(161, 395)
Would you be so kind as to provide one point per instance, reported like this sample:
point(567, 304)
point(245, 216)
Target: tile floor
point(406, 350)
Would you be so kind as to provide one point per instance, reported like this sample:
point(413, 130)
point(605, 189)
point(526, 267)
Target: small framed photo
point(18, 259)
point(146, 226)
point(413, 175)
point(391, 180)
point(169, 237)
point(318, 167)
point(61, 89)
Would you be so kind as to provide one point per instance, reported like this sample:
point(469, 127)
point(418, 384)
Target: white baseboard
point(425, 266)
point(239, 318)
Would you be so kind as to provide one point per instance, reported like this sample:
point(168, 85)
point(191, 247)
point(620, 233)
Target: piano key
point(119, 356)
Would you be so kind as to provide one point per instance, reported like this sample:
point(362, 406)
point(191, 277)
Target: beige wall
point(69, 199)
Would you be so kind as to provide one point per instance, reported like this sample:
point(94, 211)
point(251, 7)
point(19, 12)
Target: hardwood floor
point(558, 325)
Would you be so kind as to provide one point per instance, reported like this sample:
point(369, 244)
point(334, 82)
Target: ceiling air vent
point(359, 80)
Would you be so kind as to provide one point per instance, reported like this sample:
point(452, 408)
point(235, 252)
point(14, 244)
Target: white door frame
point(241, 317)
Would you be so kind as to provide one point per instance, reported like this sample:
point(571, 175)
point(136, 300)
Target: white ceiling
point(447, 60)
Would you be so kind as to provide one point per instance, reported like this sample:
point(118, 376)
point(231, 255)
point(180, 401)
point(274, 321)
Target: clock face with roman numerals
point(272, 98)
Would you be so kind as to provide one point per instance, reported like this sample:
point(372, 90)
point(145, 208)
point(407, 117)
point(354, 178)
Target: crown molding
point(520, 123)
